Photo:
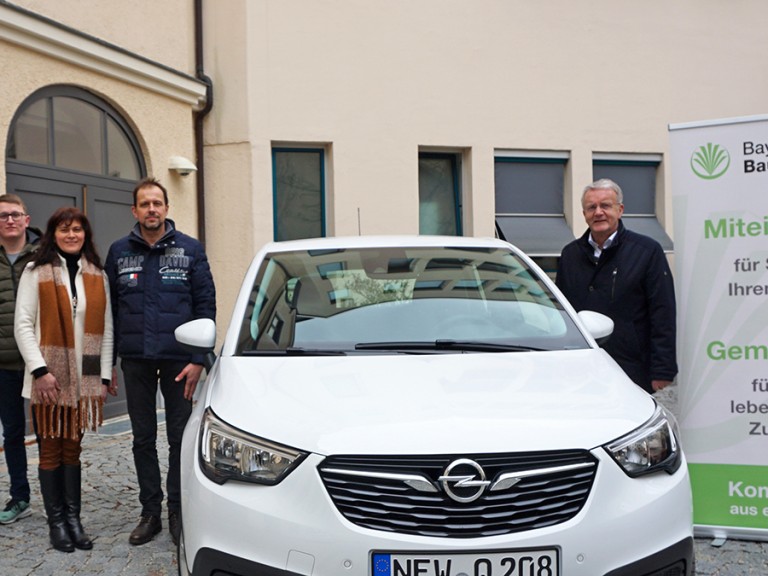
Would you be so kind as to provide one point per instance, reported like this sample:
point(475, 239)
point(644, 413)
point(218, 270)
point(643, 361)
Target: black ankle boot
point(52, 490)
point(72, 496)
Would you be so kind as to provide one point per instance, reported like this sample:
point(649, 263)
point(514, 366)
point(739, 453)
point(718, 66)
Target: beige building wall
point(162, 31)
point(375, 82)
point(157, 103)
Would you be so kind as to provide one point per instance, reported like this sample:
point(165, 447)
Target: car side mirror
point(199, 337)
point(598, 325)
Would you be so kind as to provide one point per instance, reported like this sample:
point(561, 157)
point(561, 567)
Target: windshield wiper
point(295, 352)
point(458, 345)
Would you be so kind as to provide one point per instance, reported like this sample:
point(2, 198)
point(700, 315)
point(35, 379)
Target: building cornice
point(45, 36)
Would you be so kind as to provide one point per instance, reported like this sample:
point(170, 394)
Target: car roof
point(384, 241)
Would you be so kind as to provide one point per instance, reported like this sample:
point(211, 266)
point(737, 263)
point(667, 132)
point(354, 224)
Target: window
point(636, 175)
point(529, 203)
point(298, 176)
point(439, 194)
point(66, 127)
point(401, 295)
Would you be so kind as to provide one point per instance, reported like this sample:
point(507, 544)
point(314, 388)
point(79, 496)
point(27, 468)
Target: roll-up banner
point(720, 200)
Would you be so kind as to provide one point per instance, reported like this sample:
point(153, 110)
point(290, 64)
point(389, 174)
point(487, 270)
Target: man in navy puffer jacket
point(159, 278)
point(625, 276)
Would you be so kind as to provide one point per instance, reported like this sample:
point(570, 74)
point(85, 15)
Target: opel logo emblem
point(464, 480)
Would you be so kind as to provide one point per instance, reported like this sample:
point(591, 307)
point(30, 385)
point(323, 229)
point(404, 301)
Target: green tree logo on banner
point(710, 161)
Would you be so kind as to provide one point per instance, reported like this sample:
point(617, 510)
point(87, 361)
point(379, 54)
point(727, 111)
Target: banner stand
point(720, 196)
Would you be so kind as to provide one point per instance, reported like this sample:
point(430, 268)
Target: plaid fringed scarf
point(79, 408)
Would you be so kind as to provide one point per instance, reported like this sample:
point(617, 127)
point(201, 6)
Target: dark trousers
point(14, 426)
point(141, 381)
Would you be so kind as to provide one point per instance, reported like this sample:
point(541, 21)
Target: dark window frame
point(455, 162)
point(646, 223)
point(106, 111)
point(320, 151)
point(508, 223)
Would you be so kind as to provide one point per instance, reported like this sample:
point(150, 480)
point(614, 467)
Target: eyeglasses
point(15, 216)
point(590, 208)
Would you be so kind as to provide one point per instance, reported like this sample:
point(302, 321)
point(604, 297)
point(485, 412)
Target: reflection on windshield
point(340, 299)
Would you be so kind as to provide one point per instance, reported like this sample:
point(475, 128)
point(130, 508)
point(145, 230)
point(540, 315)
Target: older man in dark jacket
point(625, 276)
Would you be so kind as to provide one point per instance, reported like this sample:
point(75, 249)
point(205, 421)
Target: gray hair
point(604, 184)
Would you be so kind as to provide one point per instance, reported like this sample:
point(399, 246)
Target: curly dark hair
point(48, 253)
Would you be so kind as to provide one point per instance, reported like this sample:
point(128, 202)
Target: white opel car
point(423, 406)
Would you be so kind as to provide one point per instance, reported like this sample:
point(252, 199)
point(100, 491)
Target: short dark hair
point(47, 253)
point(149, 182)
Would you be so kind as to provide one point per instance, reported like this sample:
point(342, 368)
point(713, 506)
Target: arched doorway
point(67, 147)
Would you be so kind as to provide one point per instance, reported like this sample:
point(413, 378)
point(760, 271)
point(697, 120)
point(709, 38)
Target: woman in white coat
point(63, 328)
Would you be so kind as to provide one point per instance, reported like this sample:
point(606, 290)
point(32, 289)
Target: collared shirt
point(599, 249)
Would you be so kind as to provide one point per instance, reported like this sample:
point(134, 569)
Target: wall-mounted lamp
point(181, 165)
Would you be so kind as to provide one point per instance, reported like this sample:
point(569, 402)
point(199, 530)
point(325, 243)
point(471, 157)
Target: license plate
point(539, 562)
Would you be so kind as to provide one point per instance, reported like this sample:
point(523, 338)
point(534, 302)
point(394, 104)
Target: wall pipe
point(199, 117)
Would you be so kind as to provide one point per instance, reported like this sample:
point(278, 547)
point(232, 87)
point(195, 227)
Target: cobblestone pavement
point(111, 510)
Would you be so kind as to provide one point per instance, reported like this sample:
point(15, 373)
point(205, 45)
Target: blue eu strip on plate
point(382, 565)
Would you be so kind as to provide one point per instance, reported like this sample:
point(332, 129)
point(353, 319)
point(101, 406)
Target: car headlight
point(227, 453)
point(652, 447)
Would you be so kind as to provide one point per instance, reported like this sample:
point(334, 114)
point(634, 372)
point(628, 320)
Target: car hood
point(420, 404)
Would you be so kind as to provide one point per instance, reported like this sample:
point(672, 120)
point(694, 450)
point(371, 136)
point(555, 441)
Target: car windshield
point(402, 300)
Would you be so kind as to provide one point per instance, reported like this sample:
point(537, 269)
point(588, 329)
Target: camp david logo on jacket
point(174, 266)
point(128, 269)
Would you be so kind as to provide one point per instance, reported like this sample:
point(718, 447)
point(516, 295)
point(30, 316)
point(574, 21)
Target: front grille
point(372, 492)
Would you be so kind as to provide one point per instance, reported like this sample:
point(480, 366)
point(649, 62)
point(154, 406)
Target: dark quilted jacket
point(154, 289)
point(10, 359)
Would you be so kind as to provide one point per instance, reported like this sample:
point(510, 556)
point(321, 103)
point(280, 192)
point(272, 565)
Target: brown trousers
point(55, 452)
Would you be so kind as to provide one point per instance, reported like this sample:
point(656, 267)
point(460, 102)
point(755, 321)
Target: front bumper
point(627, 527)
point(677, 560)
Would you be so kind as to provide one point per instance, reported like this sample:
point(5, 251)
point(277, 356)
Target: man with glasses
point(18, 243)
point(626, 276)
